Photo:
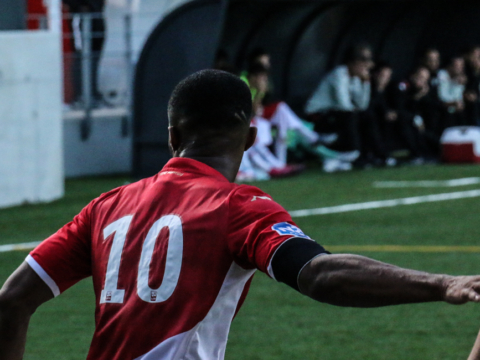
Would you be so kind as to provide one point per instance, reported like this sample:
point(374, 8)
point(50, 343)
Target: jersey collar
point(181, 165)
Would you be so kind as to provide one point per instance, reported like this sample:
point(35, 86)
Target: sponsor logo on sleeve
point(285, 228)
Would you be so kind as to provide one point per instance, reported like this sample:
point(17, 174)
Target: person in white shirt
point(451, 87)
point(340, 98)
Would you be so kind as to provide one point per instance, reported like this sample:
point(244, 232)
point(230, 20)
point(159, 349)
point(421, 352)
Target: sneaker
point(327, 139)
point(344, 166)
point(417, 161)
point(334, 165)
point(287, 170)
point(244, 176)
point(348, 156)
point(390, 162)
point(256, 175)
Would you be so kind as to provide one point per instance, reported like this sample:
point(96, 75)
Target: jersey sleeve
point(64, 258)
point(257, 227)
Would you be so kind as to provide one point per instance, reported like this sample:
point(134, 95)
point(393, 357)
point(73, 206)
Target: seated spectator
point(472, 88)
point(222, 62)
point(431, 60)
point(417, 105)
point(451, 86)
point(260, 56)
point(395, 131)
point(340, 98)
point(258, 162)
point(282, 119)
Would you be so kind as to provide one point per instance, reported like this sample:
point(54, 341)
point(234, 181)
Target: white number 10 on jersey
point(110, 293)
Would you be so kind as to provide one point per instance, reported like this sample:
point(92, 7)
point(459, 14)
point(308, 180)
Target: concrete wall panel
point(31, 156)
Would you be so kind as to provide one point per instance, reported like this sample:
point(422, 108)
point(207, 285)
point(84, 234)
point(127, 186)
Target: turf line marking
point(403, 248)
point(427, 183)
point(347, 208)
point(17, 247)
point(333, 248)
point(386, 203)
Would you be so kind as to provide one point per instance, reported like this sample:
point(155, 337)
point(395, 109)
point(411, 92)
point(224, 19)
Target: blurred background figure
point(391, 130)
point(472, 89)
point(259, 163)
point(222, 62)
point(431, 60)
point(417, 105)
point(451, 86)
point(79, 10)
point(278, 119)
point(338, 103)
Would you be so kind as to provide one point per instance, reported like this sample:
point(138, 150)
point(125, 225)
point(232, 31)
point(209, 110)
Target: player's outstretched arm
point(475, 354)
point(20, 296)
point(352, 280)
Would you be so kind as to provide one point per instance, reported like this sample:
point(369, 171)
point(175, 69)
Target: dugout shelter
point(306, 38)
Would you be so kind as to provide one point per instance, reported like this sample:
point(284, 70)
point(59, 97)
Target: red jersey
point(171, 258)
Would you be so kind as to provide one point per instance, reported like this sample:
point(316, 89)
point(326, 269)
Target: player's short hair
point(210, 100)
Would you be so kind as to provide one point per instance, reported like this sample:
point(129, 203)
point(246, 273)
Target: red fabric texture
point(222, 223)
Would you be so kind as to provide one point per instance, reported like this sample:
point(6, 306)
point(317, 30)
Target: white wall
point(31, 152)
point(146, 14)
point(106, 151)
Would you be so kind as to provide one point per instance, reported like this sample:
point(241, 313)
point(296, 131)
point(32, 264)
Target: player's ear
point(252, 135)
point(173, 139)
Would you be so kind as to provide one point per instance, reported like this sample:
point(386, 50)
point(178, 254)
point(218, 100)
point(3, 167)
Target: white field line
point(386, 203)
point(427, 183)
point(404, 248)
point(334, 248)
point(328, 210)
point(16, 247)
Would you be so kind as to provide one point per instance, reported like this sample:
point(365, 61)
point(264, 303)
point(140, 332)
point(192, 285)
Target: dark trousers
point(373, 140)
point(344, 123)
point(419, 143)
point(356, 131)
point(457, 118)
point(97, 41)
point(472, 113)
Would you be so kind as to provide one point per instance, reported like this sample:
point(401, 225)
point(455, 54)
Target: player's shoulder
point(113, 194)
point(252, 198)
point(243, 192)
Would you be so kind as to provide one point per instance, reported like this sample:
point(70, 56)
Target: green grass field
point(276, 322)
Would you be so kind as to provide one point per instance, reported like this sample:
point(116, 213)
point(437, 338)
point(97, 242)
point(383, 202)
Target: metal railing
point(84, 38)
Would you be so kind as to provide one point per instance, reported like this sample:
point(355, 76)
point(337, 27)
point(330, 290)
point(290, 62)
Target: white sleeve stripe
point(43, 275)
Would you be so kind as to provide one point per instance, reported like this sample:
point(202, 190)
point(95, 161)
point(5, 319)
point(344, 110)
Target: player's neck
point(223, 164)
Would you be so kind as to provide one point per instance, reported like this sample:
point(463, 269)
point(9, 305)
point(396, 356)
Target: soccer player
point(172, 256)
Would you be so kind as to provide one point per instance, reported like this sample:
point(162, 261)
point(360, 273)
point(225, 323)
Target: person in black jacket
point(472, 88)
point(395, 131)
point(417, 105)
point(431, 60)
point(376, 120)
